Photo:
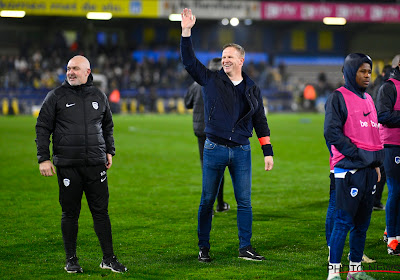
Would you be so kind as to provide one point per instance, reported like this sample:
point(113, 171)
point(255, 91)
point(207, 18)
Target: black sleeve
point(45, 125)
point(335, 118)
point(108, 128)
point(189, 97)
point(386, 100)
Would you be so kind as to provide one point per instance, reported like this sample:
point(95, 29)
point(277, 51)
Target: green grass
point(155, 187)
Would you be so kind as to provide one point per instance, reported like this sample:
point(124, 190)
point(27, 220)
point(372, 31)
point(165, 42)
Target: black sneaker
point(113, 264)
point(248, 253)
point(223, 208)
point(72, 265)
point(204, 255)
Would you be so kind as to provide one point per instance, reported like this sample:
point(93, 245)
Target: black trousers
point(92, 180)
point(220, 198)
point(379, 187)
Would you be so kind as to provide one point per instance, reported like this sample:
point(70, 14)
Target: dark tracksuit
point(194, 100)
point(80, 122)
point(389, 116)
point(353, 212)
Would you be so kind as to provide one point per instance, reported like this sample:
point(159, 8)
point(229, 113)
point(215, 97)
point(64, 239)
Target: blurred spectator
point(153, 99)
point(323, 88)
point(115, 98)
point(384, 75)
point(141, 100)
point(309, 97)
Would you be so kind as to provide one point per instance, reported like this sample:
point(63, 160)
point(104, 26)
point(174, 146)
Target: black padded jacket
point(80, 122)
point(194, 100)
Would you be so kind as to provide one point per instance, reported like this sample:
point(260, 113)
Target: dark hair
point(215, 64)
point(387, 68)
point(239, 48)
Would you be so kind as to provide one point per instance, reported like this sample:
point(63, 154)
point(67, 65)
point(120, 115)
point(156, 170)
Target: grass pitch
point(155, 187)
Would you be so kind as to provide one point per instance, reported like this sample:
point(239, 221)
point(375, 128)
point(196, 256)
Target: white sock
point(390, 239)
point(354, 267)
point(333, 270)
point(329, 253)
point(398, 238)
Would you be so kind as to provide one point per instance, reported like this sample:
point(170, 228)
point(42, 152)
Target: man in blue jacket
point(194, 100)
point(233, 107)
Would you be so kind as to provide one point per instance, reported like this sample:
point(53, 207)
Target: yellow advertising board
point(119, 8)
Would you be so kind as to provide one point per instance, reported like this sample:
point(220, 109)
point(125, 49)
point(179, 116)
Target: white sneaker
point(364, 259)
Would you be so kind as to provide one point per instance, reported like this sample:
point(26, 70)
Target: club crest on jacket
point(95, 105)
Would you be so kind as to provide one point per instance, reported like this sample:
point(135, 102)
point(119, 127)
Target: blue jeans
point(238, 160)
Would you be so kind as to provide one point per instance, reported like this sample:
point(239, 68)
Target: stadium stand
point(140, 57)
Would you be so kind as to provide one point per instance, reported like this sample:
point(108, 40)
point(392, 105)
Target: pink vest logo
point(361, 125)
point(365, 124)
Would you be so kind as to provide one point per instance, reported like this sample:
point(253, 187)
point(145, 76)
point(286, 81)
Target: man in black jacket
point(233, 107)
point(78, 117)
point(194, 100)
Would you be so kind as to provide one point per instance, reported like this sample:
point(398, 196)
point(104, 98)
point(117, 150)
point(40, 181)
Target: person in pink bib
point(388, 107)
point(351, 129)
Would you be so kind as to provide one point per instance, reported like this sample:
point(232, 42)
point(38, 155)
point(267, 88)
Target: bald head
point(78, 70)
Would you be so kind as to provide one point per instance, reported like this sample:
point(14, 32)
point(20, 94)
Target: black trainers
point(113, 264)
point(223, 208)
point(204, 255)
point(248, 253)
point(72, 265)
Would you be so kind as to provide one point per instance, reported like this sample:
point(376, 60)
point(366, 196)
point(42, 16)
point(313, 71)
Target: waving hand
point(188, 21)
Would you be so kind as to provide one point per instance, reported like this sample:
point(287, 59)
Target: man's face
point(363, 75)
point(232, 62)
point(77, 71)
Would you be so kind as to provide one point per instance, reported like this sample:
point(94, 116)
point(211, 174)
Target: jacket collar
point(88, 83)
point(395, 74)
point(249, 82)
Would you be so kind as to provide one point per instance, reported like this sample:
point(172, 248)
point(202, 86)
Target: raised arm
point(195, 68)
point(188, 21)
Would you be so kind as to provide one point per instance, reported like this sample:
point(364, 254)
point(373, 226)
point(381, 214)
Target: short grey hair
point(239, 48)
point(396, 61)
